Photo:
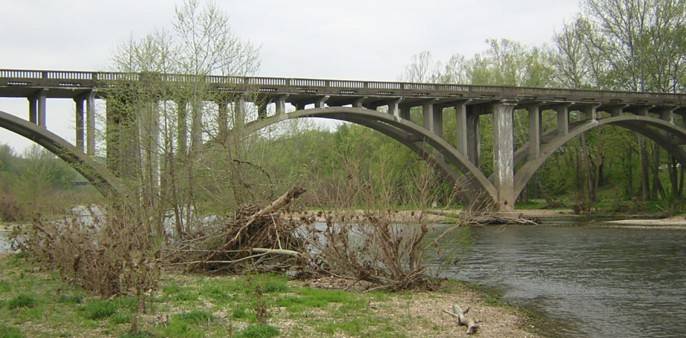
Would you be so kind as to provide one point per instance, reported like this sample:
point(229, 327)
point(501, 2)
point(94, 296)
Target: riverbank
point(36, 303)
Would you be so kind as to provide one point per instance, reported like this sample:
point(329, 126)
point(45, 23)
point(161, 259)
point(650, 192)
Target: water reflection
point(616, 282)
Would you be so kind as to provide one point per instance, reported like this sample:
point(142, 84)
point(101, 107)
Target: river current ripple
point(610, 282)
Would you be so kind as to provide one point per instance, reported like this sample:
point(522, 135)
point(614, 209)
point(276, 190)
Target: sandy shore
point(671, 222)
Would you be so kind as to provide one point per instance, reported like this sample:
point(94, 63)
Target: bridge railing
point(84, 79)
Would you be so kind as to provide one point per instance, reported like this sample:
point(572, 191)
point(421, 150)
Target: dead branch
point(462, 320)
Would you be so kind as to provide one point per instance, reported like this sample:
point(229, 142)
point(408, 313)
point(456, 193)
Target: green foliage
point(10, 332)
point(258, 331)
point(22, 301)
point(195, 317)
point(99, 309)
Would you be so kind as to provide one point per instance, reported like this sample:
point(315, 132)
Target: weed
point(4, 286)
point(21, 301)
point(258, 331)
point(99, 309)
point(195, 317)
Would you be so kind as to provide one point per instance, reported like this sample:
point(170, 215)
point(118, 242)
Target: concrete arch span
point(98, 175)
point(406, 132)
point(661, 131)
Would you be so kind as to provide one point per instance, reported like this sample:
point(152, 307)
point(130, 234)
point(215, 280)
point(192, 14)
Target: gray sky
point(348, 39)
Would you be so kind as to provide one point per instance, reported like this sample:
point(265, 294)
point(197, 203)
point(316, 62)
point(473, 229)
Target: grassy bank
point(34, 303)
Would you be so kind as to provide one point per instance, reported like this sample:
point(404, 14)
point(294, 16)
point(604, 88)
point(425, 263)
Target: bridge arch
point(655, 129)
point(98, 175)
point(406, 132)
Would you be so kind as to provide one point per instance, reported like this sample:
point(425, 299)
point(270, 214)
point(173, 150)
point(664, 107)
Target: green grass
point(10, 332)
point(99, 309)
point(21, 300)
point(193, 306)
point(258, 331)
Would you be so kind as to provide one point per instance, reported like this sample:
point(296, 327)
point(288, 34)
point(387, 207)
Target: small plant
point(21, 301)
point(258, 331)
point(261, 311)
point(70, 299)
point(99, 309)
point(196, 317)
point(10, 332)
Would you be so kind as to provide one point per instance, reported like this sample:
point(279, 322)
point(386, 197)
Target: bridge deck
point(70, 84)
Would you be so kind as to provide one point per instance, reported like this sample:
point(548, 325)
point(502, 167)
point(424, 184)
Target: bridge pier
point(85, 123)
point(181, 128)
point(37, 107)
point(461, 130)
point(473, 137)
point(562, 119)
point(534, 131)
point(503, 154)
point(433, 118)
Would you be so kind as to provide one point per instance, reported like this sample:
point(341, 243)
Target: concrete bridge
point(383, 106)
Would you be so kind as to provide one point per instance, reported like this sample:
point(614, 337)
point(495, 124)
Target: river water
point(608, 281)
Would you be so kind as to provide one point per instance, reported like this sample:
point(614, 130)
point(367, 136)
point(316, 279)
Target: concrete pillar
point(473, 138)
point(616, 111)
point(562, 119)
point(405, 112)
point(42, 107)
point(33, 109)
point(112, 134)
point(359, 102)
point(461, 130)
point(239, 116)
point(503, 155)
point(320, 103)
point(222, 117)
point(90, 124)
point(438, 120)
point(181, 127)
point(667, 114)
point(299, 105)
point(196, 125)
point(433, 118)
point(534, 131)
point(393, 108)
point(281, 105)
point(80, 119)
point(428, 114)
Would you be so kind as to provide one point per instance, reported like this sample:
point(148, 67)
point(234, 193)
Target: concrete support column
point(562, 119)
point(196, 124)
point(438, 120)
point(80, 120)
point(239, 116)
point(359, 102)
point(281, 105)
point(405, 112)
point(321, 102)
point(393, 108)
point(642, 111)
point(534, 131)
point(33, 109)
point(42, 107)
point(222, 117)
point(667, 114)
point(503, 154)
point(615, 111)
point(461, 130)
point(181, 127)
point(473, 138)
point(299, 105)
point(90, 124)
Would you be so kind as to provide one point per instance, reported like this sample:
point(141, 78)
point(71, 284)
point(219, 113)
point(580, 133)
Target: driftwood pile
point(255, 238)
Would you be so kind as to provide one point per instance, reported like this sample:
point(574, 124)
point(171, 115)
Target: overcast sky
point(348, 39)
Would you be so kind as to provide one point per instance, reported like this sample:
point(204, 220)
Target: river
point(607, 281)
